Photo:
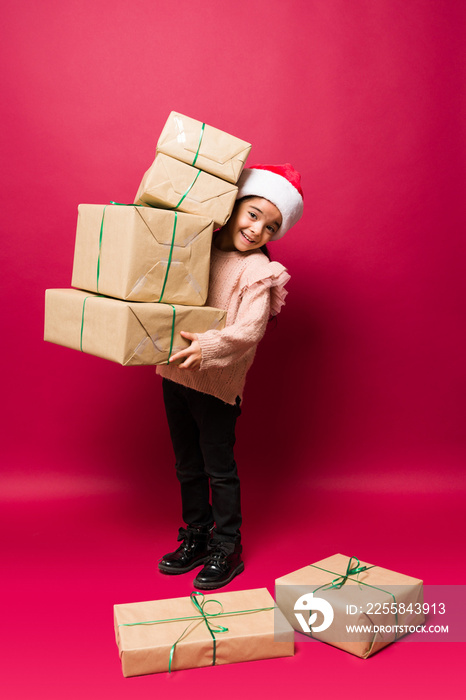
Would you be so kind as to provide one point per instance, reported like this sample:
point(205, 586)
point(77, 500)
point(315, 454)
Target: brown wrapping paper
point(250, 636)
point(208, 149)
point(130, 333)
point(126, 252)
point(169, 183)
point(363, 592)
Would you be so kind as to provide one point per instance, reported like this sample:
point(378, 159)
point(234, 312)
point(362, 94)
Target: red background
point(352, 435)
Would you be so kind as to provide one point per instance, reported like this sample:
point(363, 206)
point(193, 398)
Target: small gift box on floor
point(142, 254)
point(203, 146)
point(352, 605)
point(171, 184)
point(127, 332)
point(200, 630)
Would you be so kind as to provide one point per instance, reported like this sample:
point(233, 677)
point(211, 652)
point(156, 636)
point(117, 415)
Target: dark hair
point(263, 248)
point(266, 251)
point(243, 199)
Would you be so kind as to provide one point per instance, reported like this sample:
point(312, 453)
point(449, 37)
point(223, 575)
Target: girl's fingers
point(182, 354)
point(188, 336)
point(187, 354)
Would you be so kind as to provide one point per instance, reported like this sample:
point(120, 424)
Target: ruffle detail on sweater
point(274, 276)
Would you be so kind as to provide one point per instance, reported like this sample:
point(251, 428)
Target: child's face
point(252, 224)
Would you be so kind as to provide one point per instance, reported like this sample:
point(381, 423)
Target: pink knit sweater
point(249, 288)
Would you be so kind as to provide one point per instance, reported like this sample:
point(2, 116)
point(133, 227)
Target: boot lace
point(218, 556)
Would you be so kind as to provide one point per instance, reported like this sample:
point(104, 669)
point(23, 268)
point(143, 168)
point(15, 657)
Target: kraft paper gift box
point(176, 629)
point(383, 604)
point(127, 332)
point(142, 254)
point(171, 184)
point(203, 146)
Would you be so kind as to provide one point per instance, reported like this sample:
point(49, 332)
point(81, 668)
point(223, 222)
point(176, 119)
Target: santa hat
point(281, 185)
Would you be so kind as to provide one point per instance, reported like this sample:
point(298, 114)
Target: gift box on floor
point(200, 630)
point(142, 254)
point(171, 184)
point(352, 605)
point(127, 332)
point(203, 146)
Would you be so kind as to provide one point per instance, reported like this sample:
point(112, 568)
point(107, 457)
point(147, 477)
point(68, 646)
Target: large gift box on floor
point(130, 333)
point(142, 254)
point(203, 146)
point(175, 185)
point(363, 608)
point(218, 628)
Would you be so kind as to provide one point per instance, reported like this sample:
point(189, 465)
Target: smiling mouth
point(249, 240)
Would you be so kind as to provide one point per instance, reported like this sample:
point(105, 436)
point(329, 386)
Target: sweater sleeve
point(274, 277)
point(262, 294)
point(221, 348)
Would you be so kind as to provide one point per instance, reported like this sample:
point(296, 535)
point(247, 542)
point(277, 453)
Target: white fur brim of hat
point(278, 190)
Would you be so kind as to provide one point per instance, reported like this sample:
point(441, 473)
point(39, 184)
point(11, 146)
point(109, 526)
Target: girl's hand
point(191, 356)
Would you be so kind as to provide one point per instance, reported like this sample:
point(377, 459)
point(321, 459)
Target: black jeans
point(202, 429)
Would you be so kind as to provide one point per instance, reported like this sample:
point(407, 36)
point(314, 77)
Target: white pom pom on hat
point(281, 185)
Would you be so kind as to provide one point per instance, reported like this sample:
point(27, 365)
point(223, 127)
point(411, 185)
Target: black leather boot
point(223, 564)
point(192, 552)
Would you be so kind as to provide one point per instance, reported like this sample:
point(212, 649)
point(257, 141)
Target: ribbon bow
point(350, 571)
point(201, 607)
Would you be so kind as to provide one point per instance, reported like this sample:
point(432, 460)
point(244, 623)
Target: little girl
point(203, 392)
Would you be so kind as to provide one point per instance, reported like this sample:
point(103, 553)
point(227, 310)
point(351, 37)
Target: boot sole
point(181, 570)
point(212, 586)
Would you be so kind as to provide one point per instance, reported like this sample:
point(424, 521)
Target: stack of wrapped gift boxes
point(155, 251)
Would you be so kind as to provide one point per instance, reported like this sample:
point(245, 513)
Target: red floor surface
point(68, 560)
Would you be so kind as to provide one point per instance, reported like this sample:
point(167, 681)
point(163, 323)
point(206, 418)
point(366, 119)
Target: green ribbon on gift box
point(82, 326)
point(187, 191)
point(352, 570)
point(100, 247)
point(199, 145)
point(170, 255)
point(82, 323)
point(101, 233)
point(203, 616)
